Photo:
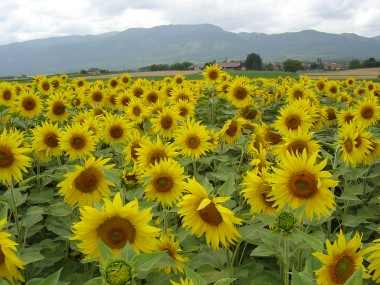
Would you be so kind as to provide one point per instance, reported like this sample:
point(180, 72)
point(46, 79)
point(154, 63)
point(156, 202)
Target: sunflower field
point(222, 180)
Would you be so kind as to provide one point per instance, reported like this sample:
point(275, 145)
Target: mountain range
point(138, 47)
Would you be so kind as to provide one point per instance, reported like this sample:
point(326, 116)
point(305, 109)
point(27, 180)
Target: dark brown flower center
point(138, 91)
point(292, 122)
point(333, 89)
point(367, 112)
point(6, 157)
point(113, 83)
point(183, 112)
point(240, 93)
point(51, 140)
point(134, 148)
point(97, 96)
point(156, 156)
point(112, 100)
point(297, 147)
point(59, 108)
point(320, 85)
point(77, 142)
point(45, 86)
point(298, 94)
point(115, 232)
point(29, 103)
point(348, 145)
point(232, 129)
point(7, 94)
point(213, 74)
point(125, 101)
point(272, 137)
point(211, 215)
point(331, 114)
point(2, 256)
point(249, 113)
point(303, 185)
point(193, 141)
point(88, 180)
point(163, 183)
point(136, 111)
point(342, 269)
point(166, 122)
point(116, 132)
point(348, 118)
point(152, 97)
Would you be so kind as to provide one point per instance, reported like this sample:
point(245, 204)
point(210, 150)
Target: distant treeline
point(368, 63)
point(175, 66)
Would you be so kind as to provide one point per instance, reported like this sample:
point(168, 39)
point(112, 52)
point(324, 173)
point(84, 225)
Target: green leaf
point(228, 186)
point(356, 278)
point(353, 220)
point(32, 216)
point(52, 279)
point(94, 281)
point(298, 279)
point(127, 252)
point(146, 261)
point(207, 185)
point(314, 243)
point(195, 277)
point(356, 173)
point(263, 250)
point(265, 218)
point(59, 209)
point(105, 252)
point(225, 281)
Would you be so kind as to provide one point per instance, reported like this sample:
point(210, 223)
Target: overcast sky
point(22, 20)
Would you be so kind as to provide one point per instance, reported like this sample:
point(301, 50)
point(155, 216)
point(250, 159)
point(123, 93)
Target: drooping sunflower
point(232, 130)
point(10, 263)
point(13, 159)
point(291, 118)
point(256, 189)
point(151, 152)
point(165, 182)
point(116, 129)
point(367, 111)
point(192, 139)
point(374, 260)
point(342, 260)
point(77, 141)
point(46, 139)
point(301, 181)
point(115, 224)
point(167, 243)
point(166, 122)
point(57, 108)
point(203, 214)
point(87, 184)
point(240, 92)
point(355, 143)
point(212, 73)
point(296, 142)
point(28, 104)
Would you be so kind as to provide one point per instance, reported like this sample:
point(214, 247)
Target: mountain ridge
point(137, 47)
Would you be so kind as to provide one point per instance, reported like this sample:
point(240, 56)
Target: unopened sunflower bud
point(286, 222)
point(118, 272)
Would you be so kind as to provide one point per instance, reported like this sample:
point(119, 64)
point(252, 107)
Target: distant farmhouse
point(94, 71)
point(231, 65)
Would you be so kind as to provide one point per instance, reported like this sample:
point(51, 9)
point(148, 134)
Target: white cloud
point(23, 19)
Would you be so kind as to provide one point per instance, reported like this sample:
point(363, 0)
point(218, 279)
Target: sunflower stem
point(14, 210)
point(286, 260)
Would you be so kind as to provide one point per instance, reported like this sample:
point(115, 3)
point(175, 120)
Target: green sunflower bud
point(286, 222)
point(118, 272)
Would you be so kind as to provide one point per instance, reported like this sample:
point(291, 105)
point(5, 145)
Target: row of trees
point(175, 66)
point(368, 63)
point(254, 62)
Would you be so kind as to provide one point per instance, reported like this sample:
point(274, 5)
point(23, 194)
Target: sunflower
point(300, 181)
point(77, 141)
point(7, 94)
point(295, 143)
point(260, 157)
point(350, 81)
point(113, 83)
point(167, 243)
point(367, 111)
point(256, 189)
point(240, 92)
point(345, 116)
point(132, 176)
point(182, 93)
point(44, 86)
point(320, 84)
point(151, 95)
point(342, 260)
point(204, 215)
point(137, 88)
point(111, 100)
point(55, 81)
point(28, 104)
point(374, 260)
point(123, 99)
point(232, 130)
point(330, 115)
point(93, 124)
point(185, 108)
point(13, 159)
point(291, 118)
point(125, 79)
point(46, 139)
point(135, 110)
point(151, 152)
point(250, 112)
point(214, 139)
point(87, 184)
point(9, 262)
point(355, 143)
point(135, 142)
point(57, 108)
point(96, 96)
point(115, 224)
point(182, 282)
point(164, 182)
point(192, 139)
point(360, 91)
point(212, 73)
point(116, 129)
point(332, 88)
point(165, 122)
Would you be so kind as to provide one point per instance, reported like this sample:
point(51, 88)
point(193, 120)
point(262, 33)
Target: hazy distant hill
point(134, 48)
